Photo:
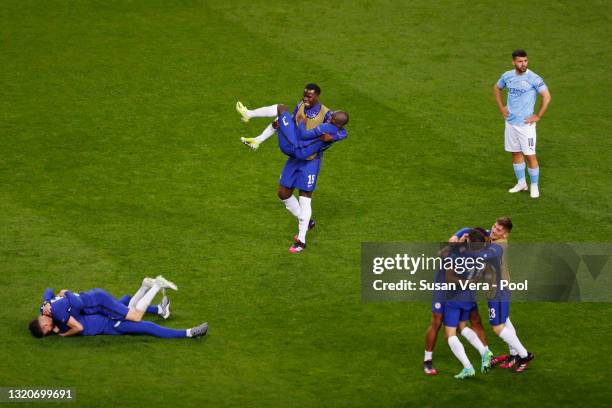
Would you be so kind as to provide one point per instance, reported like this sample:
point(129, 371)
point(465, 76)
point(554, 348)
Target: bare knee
point(135, 315)
point(284, 192)
point(498, 329)
point(532, 161)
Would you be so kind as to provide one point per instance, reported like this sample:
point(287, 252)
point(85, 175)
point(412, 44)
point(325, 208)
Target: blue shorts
point(99, 301)
point(455, 312)
point(498, 312)
point(287, 138)
point(437, 304)
point(301, 174)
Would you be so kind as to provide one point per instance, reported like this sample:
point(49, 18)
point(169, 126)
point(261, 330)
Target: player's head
point(501, 229)
point(311, 95)
point(476, 237)
point(339, 118)
point(41, 326)
point(519, 60)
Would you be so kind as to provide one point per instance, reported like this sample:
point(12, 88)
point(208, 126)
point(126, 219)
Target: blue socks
point(519, 171)
point(534, 175)
point(151, 329)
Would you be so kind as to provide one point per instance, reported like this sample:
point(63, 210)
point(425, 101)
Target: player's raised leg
point(137, 313)
point(263, 112)
point(254, 142)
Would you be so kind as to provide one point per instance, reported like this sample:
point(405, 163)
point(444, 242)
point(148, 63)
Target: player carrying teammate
point(303, 139)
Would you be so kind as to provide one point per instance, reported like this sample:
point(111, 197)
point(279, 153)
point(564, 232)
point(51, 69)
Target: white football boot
point(519, 187)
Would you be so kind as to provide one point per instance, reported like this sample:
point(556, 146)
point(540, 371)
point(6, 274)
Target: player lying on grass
point(303, 142)
point(65, 308)
point(474, 335)
point(98, 324)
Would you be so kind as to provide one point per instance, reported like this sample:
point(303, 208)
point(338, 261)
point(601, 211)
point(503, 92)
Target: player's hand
point(505, 112)
point(463, 238)
point(47, 309)
point(326, 137)
point(55, 329)
point(532, 119)
point(275, 124)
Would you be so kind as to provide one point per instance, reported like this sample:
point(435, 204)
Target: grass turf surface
point(120, 158)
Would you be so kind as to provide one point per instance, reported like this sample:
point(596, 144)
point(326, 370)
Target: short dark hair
point(313, 87)
point(483, 231)
point(476, 239)
point(476, 235)
point(505, 222)
point(343, 117)
point(35, 329)
point(519, 53)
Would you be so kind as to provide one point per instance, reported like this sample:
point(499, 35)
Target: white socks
point(146, 300)
point(302, 211)
point(509, 325)
point(293, 206)
point(139, 294)
point(428, 355)
point(459, 352)
point(472, 337)
point(265, 112)
point(509, 336)
point(268, 131)
point(304, 217)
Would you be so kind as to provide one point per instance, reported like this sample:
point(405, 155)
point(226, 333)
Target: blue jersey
point(493, 255)
point(309, 142)
point(63, 307)
point(96, 324)
point(523, 91)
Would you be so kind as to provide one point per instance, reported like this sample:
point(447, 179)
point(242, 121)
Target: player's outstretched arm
point(48, 295)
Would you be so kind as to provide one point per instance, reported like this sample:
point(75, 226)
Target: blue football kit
point(460, 302)
point(304, 149)
point(98, 324)
point(94, 301)
point(499, 305)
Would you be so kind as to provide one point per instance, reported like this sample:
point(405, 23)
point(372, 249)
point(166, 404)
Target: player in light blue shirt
point(520, 133)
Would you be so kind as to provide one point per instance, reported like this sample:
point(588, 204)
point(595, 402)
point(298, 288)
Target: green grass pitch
point(120, 158)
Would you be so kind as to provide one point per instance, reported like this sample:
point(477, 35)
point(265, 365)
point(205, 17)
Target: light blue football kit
point(523, 91)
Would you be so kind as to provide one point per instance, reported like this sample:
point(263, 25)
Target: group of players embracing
point(456, 309)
